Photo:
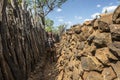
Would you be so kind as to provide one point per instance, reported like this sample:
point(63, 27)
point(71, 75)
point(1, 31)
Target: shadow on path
point(45, 70)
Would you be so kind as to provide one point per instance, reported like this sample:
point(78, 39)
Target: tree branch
point(50, 6)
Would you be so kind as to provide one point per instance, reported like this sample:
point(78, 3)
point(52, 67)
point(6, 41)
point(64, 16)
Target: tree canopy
point(49, 24)
point(44, 7)
point(55, 29)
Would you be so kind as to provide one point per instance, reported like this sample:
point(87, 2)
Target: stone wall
point(91, 51)
point(21, 42)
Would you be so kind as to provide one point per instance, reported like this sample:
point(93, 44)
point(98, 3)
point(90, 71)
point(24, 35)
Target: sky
point(77, 11)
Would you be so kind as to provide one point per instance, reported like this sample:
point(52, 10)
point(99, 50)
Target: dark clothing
point(50, 48)
point(50, 43)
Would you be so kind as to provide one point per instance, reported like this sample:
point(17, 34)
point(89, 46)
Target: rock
point(90, 39)
point(117, 79)
point(103, 54)
point(87, 23)
point(86, 31)
point(116, 68)
point(91, 51)
point(90, 29)
point(116, 15)
point(73, 38)
point(67, 76)
point(94, 76)
point(89, 48)
point(85, 74)
point(95, 24)
point(76, 74)
point(77, 29)
point(69, 32)
point(92, 36)
point(115, 31)
point(102, 39)
point(90, 63)
point(103, 26)
point(60, 75)
point(107, 18)
point(80, 45)
point(100, 54)
point(108, 74)
point(81, 37)
point(115, 48)
point(70, 66)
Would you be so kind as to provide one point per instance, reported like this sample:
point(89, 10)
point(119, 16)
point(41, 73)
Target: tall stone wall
point(91, 51)
point(21, 42)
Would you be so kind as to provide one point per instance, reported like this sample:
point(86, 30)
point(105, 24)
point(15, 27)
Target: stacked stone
point(91, 51)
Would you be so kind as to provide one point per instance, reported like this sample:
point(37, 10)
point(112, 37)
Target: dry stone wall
point(91, 51)
point(21, 42)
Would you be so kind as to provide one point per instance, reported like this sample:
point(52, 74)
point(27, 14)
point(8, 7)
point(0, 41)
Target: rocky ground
point(91, 51)
point(45, 70)
point(50, 71)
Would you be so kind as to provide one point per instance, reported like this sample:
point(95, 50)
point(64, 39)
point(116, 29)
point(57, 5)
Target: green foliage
point(45, 6)
point(49, 24)
point(9, 1)
point(29, 2)
point(19, 1)
point(62, 27)
point(60, 2)
point(57, 30)
point(48, 29)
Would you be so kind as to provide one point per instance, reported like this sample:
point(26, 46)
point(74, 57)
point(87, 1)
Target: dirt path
point(50, 71)
point(44, 71)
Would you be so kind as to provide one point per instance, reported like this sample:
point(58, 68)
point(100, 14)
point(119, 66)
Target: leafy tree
point(49, 24)
point(44, 7)
point(57, 30)
point(61, 29)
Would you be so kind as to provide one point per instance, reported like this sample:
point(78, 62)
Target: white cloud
point(94, 15)
point(87, 19)
point(109, 8)
point(98, 5)
point(78, 17)
point(59, 10)
point(60, 20)
point(69, 22)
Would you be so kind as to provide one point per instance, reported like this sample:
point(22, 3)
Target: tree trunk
point(20, 47)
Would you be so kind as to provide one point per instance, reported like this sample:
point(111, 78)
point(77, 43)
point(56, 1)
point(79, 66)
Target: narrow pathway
point(44, 71)
point(49, 71)
point(37, 74)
